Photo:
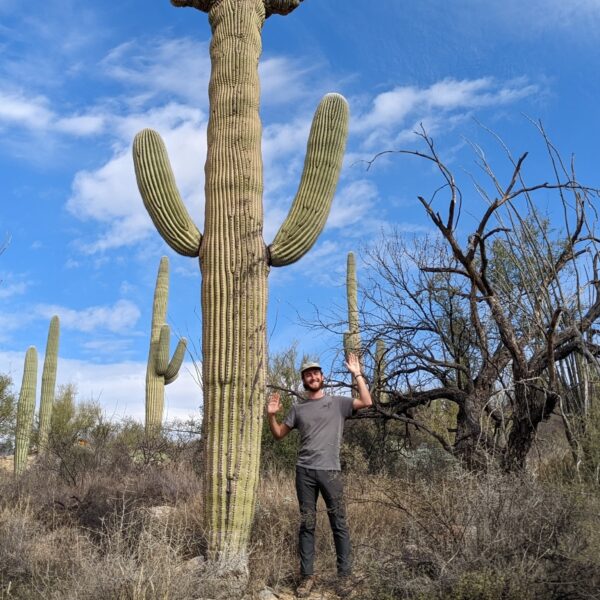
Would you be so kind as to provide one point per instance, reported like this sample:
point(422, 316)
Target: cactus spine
point(234, 260)
point(48, 383)
point(160, 371)
point(25, 410)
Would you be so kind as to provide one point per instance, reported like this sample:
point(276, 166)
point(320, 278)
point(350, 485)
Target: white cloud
point(13, 322)
point(442, 101)
point(13, 289)
point(81, 125)
point(122, 316)
point(10, 286)
point(353, 203)
point(16, 108)
point(34, 114)
point(118, 387)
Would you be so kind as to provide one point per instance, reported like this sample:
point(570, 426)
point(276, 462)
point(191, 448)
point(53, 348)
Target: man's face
point(313, 380)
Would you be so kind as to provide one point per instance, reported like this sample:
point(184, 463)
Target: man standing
point(320, 421)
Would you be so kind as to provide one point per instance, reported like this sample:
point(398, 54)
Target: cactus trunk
point(234, 279)
point(48, 384)
point(25, 410)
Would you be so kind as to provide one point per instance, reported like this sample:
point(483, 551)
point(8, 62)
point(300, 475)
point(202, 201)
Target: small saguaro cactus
point(160, 370)
point(48, 383)
point(234, 259)
point(25, 410)
point(352, 336)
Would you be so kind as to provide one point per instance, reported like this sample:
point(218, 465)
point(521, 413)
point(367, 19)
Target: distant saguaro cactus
point(234, 260)
point(25, 410)
point(48, 383)
point(379, 379)
point(352, 336)
point(160, 370)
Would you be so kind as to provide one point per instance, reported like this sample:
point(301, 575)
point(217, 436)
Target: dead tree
point(485, 320)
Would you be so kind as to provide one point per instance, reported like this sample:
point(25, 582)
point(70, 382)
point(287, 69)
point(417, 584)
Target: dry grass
point(133, 533)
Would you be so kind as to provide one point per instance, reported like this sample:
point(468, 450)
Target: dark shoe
point(305, 586)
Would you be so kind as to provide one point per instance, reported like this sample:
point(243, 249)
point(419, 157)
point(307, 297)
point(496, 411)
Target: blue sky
point(77, 81)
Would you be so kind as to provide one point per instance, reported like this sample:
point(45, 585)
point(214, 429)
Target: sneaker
point(305, 586)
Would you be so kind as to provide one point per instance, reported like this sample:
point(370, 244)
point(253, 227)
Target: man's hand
point(274, 405)
point(279, 430)
point(364, 396)
point(353, 364)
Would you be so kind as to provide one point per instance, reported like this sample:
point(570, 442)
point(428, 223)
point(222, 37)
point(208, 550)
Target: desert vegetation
point(110, 512)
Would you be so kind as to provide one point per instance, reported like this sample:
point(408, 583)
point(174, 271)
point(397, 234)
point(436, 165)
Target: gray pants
point(309, 482)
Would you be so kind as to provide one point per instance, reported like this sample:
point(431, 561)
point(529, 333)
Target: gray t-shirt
point(321, 426)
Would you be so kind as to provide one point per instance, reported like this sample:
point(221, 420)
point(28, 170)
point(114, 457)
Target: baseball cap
point(309, 365)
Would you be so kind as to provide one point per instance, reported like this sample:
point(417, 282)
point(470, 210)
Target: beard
point(313, 387)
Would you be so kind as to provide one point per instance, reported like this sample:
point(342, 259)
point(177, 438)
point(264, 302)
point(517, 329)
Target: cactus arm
point(161, 358)
point(48, 383)
point(324, 154)
point(160, 194)
point(25, 410)
point(173, 369)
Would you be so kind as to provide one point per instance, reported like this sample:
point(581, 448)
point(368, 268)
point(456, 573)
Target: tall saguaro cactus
point(234, 260)
point(48, 383)
point(25, 410)
point(160, 370)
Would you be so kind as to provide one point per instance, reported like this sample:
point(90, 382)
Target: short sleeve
point(290, 418)
point(346, 406)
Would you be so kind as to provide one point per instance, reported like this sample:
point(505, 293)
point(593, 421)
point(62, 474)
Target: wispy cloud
point(34, 114)
point(12, 285)
point(352, 205)
point(284, 80)
point(392, 112)
point(177, 67)
point(580, 18)
point(121, 316)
